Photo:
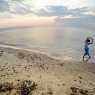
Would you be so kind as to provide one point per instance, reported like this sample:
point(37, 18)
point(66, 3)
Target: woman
point(88, 42)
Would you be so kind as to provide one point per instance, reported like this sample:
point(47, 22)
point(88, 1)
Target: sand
point(24, 72)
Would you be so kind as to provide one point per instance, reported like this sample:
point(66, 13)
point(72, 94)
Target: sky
point(46, 11)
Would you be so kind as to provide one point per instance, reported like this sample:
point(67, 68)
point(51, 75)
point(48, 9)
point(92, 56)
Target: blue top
point(87, 45)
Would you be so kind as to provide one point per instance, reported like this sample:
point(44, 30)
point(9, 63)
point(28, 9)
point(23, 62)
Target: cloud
point(20, 8)
point(45, 7)
point(17, 0)
point(60, 11)
point(15, 6)
point(71, 4)
point(83, 22)
point(90, 13)
point(4, 5)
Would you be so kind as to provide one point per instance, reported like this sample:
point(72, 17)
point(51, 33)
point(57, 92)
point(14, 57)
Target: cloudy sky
point(47, 10)
point(46, 7)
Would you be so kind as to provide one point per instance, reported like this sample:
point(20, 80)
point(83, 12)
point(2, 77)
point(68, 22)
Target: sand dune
point(25, 72)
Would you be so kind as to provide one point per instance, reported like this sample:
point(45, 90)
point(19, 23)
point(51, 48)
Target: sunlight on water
point(66, 43)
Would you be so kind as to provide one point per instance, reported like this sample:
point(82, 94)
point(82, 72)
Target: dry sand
point(24, 72)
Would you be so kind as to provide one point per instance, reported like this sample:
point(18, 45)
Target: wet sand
point(24, 72)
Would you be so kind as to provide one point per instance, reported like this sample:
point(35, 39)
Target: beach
point(24, 72)
point(42, 47)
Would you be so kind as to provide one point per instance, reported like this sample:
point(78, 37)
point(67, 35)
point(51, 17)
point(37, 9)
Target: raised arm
point(91, 40)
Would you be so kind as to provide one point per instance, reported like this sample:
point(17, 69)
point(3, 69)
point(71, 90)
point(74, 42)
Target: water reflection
point(64, 42)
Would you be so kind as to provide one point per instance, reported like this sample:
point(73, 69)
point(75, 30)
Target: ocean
point(66, 43)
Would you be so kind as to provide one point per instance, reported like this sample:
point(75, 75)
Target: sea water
point(66, 43)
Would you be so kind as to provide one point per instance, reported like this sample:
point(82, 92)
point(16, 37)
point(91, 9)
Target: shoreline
point(36, 51)
point(41, 74)
point(55, 56)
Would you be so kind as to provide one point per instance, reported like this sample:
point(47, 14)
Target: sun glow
point(26, 21)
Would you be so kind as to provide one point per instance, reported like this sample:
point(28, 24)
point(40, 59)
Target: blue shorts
point(86, 51)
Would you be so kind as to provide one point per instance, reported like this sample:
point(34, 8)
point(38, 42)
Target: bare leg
point(89, 57)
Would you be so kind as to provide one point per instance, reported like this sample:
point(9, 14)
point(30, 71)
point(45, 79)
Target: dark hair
point(87, 40)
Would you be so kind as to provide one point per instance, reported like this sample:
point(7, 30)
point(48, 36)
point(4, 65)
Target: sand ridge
point(20, 68)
